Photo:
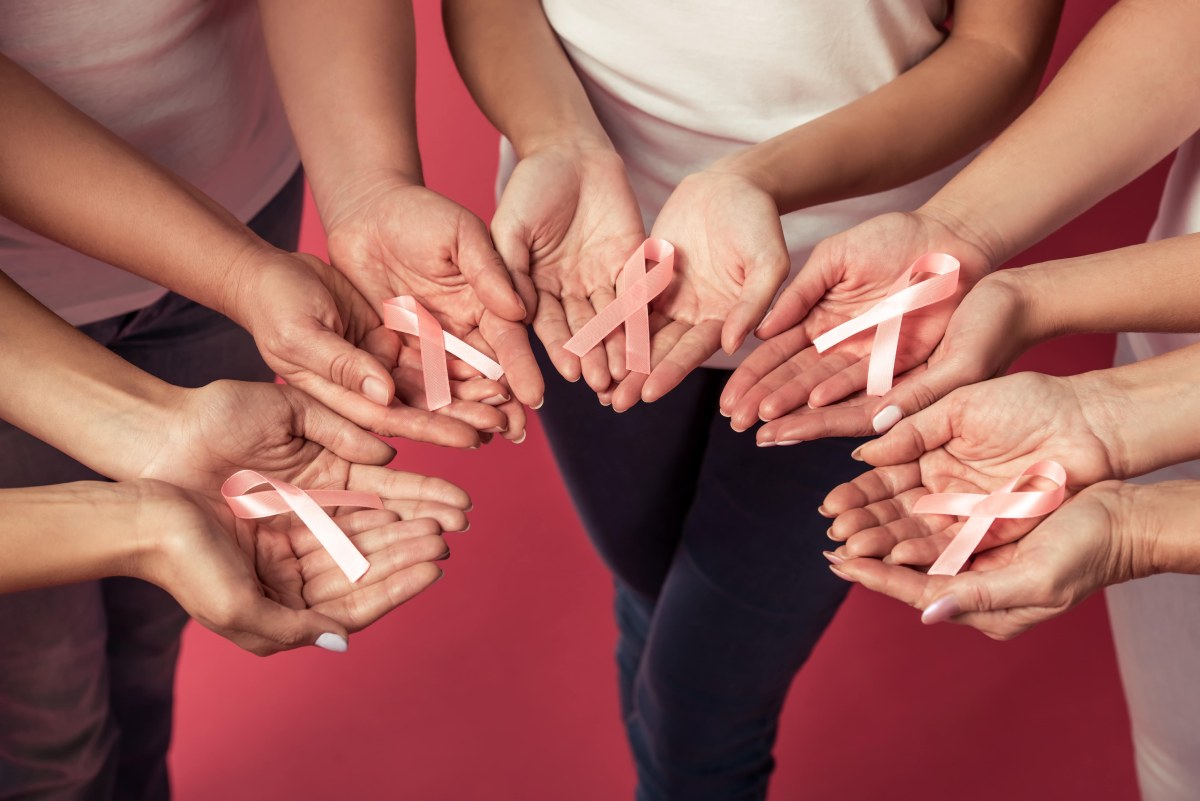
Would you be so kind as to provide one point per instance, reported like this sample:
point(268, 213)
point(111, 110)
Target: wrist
point(359, 189)
point(1031, 321)
point(963, 224)
point(756, 168)
point(155, 526)
point(1162, 524)
point(582, 141)
point(1103, 398)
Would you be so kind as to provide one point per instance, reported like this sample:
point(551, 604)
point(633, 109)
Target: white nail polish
point(540, 404)
point(887, 418)
point(520, 439)
point(333, 642)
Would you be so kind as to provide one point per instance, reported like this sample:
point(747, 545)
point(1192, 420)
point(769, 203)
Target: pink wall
point(498, 683)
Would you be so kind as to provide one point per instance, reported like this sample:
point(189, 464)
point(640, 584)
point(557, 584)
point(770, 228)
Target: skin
point(310, 324)
point(267, 587)
point(724, 221)
point(1115, 109)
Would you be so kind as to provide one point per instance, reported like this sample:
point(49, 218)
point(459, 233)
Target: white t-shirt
point(1178, 214)
point(677, 85)
point(186, 82)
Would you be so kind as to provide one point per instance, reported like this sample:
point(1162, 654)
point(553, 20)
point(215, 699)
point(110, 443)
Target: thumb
point(798, 297)
point(758, 290)
point(328, 355)
point(270, 627)
point(911, 438)
point(920, 390)
point(325, 427)
point(973, 592)
point(484, 268)
point(512, 245)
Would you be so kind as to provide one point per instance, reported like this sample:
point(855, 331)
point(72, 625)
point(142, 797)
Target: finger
point(594, 364)
point(762, 362)
point(842, 384)
point(304, 542)
point(913, 437)
point(326, 354)
point(399, 485)
point(334, 432)
point(362, 607)
point(850, 419)
point(964, 597)
point(517, 419)
point(324, 582)
point(694, 348)
point(881, 541)
point(626, 394)
point(797, 298)
point(614, 344)
point(477, 389)
point(512, 242)
point(265, 627)
point(550, 325)
point(763, 277)
point(797, 391)
point(450, 518)
point(871, 487)
point(880, 514)
point(901, 583)
point(483, 268)
point(510, 342)
point(921, 390)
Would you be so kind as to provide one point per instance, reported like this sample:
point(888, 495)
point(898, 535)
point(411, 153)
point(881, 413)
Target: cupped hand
point(269, 586)
point(730, 260)
point(974, 440)
point(1078, 549)
point(320, 335)
point(392, 237)
point(845, 276)
point(985, 335)
point(566, 223)
point(278, 431)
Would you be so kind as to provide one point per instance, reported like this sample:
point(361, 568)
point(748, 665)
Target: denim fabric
point(87, 670)
point(721, 590)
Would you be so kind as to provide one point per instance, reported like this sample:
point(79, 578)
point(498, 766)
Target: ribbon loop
point(406, 315)
point(307, 505)
point(637, 287)
point(886, 315)
point(983, 510)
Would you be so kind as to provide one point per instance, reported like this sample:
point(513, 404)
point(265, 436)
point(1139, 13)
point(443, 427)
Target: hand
point(985, 335)
point(270, 587)
point(229, 426)
point(317, 332)
point(846, 275)
point(565, 226)
point(392, 237)
point(1078, 549)
point(974, 440)
point(730, 259)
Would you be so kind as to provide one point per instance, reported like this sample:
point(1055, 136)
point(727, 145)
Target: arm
point(265, 589)
point(354, 116)
point(725, 219)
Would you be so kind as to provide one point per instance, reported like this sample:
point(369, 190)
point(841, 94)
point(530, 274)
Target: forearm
point(69, 179)
point(512, 62)
point(964, 93)
point(68, 533)
point(1161, 521)
point(1146, 412)
point(347, 74)
point(1148, 287)
point(1127, 97)
point(74, 394)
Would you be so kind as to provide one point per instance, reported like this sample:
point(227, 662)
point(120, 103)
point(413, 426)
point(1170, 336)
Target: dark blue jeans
point(721, 589)
point(87, 671)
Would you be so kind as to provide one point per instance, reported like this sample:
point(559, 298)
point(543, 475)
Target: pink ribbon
point(406, 315)
point(982, 511)
point(885, 316)
point(307, 506)
point(636, 288)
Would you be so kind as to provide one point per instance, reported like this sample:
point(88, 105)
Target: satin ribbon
point(983, 510)
point(406, 315)
point(636, 288)
point(885, 316)
point(307, 506)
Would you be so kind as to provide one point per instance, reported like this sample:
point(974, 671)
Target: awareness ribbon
point(307, 506)
point(982, 511)
point(637, 288)
point(406, 315)
point(886, 315)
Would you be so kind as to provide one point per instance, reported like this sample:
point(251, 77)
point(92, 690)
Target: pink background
point(498, 684)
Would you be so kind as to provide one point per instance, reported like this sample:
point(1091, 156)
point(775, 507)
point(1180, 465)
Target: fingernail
point(765, 444)
point(725, 413)
point(840, 574)
point(376, 391)
point(496, 400)
point(823, 512)
point(766, 317)
point(829, 534)
point(494, 430)
point(856, 454)
point(833, 558)
point(787, 442)
point(470, 508)
point(541, 402)
point(440, 576)
point(333, 642)
point(466, 528)
point(605, 403)
point(521, 438)
point(444, 556)
point(886, 419)
point(941, 610)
